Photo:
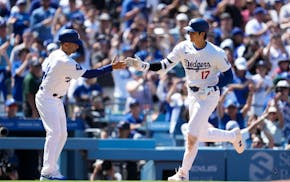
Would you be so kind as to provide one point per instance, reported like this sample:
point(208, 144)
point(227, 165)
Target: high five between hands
point(136, 63)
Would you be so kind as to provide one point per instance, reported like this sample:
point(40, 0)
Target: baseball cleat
point(179, 176)
point(238, 142)
point(56, 176)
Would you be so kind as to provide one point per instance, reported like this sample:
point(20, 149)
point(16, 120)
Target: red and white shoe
point(238, 142)
point(179, 176)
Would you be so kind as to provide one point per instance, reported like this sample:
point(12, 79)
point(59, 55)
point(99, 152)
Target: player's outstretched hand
point(117, 64)
point(137, 63)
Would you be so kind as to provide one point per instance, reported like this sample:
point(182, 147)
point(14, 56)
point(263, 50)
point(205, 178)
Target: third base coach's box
point(258, 165)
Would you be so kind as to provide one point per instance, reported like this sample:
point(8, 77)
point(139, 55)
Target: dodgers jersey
point(201, 66)
point(59, 69)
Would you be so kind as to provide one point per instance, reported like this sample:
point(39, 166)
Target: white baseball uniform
point(59, 71)
point(202, 68)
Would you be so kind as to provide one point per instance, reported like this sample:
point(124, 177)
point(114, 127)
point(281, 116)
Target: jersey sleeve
point(73, 69)
point(222, 62)
point(176, 54)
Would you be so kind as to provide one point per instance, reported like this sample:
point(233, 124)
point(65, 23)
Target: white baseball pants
point(52, 114)
point(200, 108)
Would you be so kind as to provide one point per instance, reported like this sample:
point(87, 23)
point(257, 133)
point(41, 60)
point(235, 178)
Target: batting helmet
point(197, 25)
point(69, 35)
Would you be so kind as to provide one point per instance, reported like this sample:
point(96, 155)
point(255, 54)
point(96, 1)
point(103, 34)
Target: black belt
point(54, 95)
point(196, 89)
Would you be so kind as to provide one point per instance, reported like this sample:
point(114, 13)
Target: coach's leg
point(63, 130)
point(49, 115)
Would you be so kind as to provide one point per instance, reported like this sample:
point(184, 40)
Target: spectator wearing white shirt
point(256, 26)
point(275, 50)
point(263, 84)
point(274, 125)
point(284, 16)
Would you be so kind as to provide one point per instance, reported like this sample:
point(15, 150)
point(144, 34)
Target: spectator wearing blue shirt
point(83, 93)
point(240, 81)
point(228, 109)
point(41, 20)
point(34, 4)
point(72, 10)
point(19, 19)
point(5, 65)
point(130, 9)
point(19, 70)
point(136, 119)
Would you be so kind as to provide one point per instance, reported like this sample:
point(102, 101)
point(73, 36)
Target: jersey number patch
point(204, 74)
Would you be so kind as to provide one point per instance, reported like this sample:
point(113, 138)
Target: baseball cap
point(161, 6)
point(283, 83)
point(126, 48)
point(123, 125)
point(237, 31)
point(78, 18)
point(232, 124)
point(227, 43)
point(182, 17)
point(272, 109)
point(69, 35)
point(104, 16)
point(225, 16)
point(20, 2)
point(241, 63)
point(159, 31)
point(261, 63)
point(283, 58)
point(133, 103)
point(259, 10)
point(10, 102)
point(34, 63)
point(230, 102)
point(197, 25)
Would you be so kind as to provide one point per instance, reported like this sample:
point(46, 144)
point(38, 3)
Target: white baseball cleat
point(238, 142)
point(179, 176)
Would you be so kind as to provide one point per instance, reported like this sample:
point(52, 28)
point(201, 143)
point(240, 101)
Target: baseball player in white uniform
point(58, 73)
point(207, 70)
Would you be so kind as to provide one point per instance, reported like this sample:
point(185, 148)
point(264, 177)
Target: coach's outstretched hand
point(137, 63)
point(117, 64)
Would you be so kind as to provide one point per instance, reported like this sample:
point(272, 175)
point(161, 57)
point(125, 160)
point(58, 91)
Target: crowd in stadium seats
point(254, 34)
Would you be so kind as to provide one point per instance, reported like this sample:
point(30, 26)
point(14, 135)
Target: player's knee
point(191, 141)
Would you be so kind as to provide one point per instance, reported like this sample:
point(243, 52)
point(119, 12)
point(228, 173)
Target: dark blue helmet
point(197, 25)
point(69, 35)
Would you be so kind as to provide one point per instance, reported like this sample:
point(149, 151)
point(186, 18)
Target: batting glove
point(137, 63)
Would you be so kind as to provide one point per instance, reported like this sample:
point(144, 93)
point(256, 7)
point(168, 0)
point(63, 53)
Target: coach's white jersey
point(200, 71)
point(58, 73)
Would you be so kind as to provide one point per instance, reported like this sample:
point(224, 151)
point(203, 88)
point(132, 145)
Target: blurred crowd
point(255, 34)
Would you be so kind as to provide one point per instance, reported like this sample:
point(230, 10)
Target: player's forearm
point(98, 71)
